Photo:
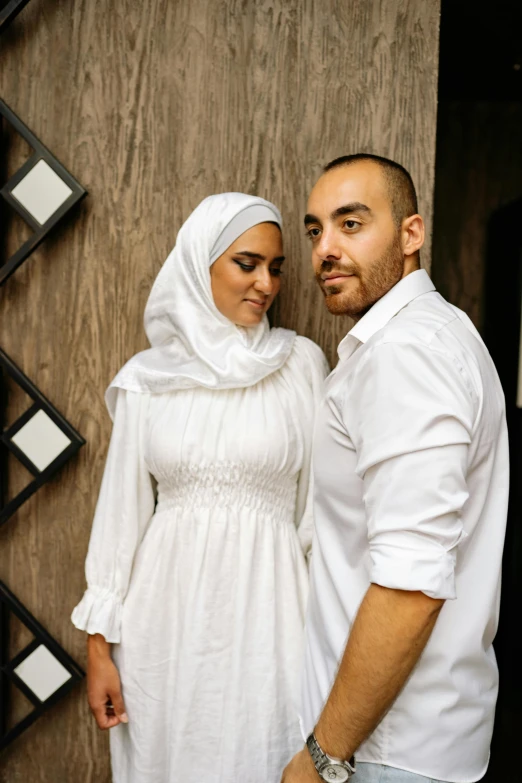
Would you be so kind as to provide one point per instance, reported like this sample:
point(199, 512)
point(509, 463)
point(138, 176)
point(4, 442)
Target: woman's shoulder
point(124, 402)
point(310, 357)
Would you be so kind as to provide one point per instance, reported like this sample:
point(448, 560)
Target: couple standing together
point(198, 562)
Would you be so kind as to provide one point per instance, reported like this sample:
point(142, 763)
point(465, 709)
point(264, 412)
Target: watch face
point(335, 773)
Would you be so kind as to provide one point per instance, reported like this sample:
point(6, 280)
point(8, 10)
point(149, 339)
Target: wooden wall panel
point(153, 106)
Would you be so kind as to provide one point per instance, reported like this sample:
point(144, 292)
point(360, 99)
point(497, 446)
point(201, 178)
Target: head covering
point(192, 342)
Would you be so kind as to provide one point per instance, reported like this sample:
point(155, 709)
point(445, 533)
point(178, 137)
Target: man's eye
point(313, 233)
point(350, 224)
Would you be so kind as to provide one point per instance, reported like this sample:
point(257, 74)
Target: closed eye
point(245, 267)
point(275, 271)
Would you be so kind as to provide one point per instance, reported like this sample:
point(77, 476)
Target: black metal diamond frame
point(42, 192)
point(9, 11)
point(40, 403)
point(40, 231)
point(71, 675)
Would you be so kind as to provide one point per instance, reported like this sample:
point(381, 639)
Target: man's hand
point(301, 769)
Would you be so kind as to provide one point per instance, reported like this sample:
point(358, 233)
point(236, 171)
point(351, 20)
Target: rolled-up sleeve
point(410, 412)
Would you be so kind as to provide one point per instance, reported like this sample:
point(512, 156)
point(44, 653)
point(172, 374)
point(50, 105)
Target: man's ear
point(412, 234)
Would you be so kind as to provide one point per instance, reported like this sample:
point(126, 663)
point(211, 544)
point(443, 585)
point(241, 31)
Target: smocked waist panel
point(228, 486)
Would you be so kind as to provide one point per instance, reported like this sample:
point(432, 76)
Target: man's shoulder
point(421, 322)
point(430, 336)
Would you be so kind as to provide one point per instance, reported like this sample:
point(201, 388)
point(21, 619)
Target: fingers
point(106, 715)
point(107, 705)
point(118, 707)
point(103, 714)
point(104, 690)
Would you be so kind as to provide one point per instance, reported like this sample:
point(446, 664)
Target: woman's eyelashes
point(245, 267)
point(275, 271)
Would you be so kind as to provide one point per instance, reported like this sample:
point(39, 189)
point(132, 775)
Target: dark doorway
point(477, 265)
point(502, 330)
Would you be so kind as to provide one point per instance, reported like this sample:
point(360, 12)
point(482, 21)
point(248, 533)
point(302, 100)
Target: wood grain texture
point(153, 106)
point(479, 166)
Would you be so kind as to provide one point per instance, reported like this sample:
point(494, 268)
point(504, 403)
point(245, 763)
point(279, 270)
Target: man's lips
point(335, 278)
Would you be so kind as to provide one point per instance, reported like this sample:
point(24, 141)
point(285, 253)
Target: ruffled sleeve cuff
point(99, 611)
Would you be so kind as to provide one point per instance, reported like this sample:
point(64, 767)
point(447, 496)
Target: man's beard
point(374, 282)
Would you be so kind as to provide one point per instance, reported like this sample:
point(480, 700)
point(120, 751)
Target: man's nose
point(327, 248)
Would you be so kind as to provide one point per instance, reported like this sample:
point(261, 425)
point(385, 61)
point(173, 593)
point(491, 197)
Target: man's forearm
point(388, 636)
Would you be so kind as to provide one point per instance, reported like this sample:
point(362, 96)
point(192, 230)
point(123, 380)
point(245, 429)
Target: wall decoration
point(9, 10)
point(42, 671)
point(42, 192)
point(41, 439)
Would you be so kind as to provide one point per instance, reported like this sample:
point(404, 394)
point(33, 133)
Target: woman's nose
point(264, 282)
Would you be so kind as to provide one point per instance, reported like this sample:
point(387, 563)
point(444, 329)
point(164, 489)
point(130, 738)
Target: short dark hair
point(400, 185)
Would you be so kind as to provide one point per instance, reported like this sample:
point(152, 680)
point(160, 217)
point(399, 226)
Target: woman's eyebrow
point(258, 256)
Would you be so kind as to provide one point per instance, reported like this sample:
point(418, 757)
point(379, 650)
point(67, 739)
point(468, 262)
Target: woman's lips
point(256, 303)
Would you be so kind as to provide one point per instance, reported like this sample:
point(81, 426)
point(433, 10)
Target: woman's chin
point(249, 324)
point(252, 319)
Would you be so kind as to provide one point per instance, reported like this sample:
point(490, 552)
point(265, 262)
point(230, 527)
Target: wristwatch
point(329, 768)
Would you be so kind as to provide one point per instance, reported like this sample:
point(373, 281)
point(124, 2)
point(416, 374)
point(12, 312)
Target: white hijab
point(192, 342)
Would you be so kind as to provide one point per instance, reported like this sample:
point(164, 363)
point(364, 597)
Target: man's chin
point(338, 304)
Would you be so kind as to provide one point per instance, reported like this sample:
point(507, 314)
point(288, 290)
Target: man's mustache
point(327, 267)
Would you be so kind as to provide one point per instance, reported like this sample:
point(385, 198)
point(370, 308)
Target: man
point(411, 488)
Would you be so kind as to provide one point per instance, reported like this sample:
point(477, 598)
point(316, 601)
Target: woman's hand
point(103, 684)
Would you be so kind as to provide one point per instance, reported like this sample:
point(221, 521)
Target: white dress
point(197, 572)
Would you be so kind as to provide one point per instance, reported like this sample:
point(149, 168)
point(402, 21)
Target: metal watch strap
point(321, 759)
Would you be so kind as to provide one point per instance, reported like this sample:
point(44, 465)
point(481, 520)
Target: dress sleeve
point(314, 369)
point(410, 413)
point(124, 509)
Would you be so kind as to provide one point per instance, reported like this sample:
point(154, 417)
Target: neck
point(410, 265)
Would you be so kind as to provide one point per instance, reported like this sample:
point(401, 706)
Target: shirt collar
point(405, 291)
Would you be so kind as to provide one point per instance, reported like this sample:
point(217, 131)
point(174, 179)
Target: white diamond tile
point(41, 440)
point(41, 192)
point(42, 672)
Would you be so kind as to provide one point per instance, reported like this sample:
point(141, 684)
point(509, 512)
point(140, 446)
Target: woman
point(196, 568)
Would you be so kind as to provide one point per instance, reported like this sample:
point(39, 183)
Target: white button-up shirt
point(411, 490)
